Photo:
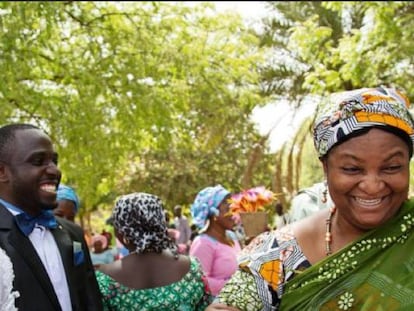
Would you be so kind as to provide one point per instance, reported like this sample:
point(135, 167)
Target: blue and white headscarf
point(67, 193)
point(206, 204)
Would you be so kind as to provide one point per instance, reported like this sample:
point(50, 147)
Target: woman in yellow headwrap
point(357, 255)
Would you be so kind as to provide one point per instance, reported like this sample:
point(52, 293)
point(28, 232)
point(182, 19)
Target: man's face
point(31, 172)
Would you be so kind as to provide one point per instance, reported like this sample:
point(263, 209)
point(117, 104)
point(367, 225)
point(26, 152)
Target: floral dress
point(265, 265)
point(190, 293)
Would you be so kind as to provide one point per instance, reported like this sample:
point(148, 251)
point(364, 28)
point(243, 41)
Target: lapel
point(24, 247)
point(65, 246)
point(6, 218)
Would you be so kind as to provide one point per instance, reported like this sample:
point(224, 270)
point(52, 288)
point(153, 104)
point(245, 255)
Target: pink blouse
point(218, 260)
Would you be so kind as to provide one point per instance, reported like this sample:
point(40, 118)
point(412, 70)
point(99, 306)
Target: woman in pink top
point(216, 246)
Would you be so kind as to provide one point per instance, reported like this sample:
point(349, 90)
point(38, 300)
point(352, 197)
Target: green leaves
point(138, 96)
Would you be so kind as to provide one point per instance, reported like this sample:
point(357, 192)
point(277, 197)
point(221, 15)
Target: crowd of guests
point(348, 248)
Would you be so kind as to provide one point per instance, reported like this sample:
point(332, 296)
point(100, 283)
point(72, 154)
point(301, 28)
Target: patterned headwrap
point(139, 217)
point(67, 193)
point(206, 204)
point(351, 111)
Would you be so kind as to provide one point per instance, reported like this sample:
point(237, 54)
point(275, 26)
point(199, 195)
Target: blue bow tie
point(27, 223)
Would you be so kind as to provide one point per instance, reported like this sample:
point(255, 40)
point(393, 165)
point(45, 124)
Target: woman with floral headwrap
point(216, 245)
point(153, 276)
point(359, 254)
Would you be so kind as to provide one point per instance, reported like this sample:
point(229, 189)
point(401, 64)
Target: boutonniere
point(78, 255)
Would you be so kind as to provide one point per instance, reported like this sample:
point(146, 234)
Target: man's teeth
point(368, 202)
point(48, 188)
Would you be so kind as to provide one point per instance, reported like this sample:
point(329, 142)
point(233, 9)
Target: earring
point(325, 192)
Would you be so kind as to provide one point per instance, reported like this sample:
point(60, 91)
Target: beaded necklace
point(328, 234)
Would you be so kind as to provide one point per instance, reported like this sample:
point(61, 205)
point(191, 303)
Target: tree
point(324, 47)
point(139, 96)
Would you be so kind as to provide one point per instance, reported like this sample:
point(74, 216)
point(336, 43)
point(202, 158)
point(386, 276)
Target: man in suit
point(51, 262)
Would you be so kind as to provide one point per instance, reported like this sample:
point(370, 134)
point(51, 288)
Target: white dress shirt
point(47, 249)
point(45, 245)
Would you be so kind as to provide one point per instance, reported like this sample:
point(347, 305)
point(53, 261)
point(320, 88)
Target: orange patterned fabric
point(351, 111)
point(265, 265)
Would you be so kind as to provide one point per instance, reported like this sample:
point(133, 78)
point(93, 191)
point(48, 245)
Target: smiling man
point(51, 262)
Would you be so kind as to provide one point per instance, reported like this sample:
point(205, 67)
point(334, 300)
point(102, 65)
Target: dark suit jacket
point(31, 279)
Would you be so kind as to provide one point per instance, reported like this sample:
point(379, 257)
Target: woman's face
point(368, 178)
point(225, 218)
point(65, 209)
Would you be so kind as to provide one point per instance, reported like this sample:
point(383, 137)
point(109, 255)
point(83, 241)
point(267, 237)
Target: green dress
point(190, 293)
point(374, 273)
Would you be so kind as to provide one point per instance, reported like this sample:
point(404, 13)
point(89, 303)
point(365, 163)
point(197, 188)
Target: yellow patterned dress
point(266, 264)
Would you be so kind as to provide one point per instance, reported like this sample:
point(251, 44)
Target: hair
point(7, 136)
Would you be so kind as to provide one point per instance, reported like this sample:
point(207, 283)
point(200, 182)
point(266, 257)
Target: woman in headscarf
point(68, 203)
point(357, 255)
point(216, 245)
point(153, 276)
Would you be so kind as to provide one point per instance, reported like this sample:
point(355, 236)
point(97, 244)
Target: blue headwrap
point(206, 204)
point(67, 193)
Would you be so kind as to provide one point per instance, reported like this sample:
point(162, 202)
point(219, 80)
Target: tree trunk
point(254, 158)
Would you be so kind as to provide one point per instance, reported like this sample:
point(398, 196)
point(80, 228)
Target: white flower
point(345, 301)
point(7, 295)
